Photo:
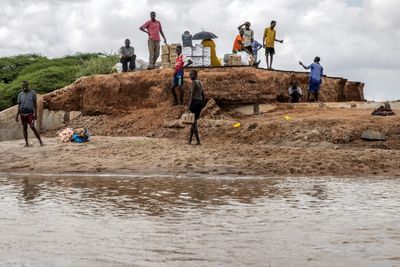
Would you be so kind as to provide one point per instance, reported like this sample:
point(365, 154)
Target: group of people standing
point(154, 31)
point(27, 107)
point(245, 41)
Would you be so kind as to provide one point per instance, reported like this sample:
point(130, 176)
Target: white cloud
point(356, 39)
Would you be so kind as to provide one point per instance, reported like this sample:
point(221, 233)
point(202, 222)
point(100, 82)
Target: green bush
point(47, 63)
point(4, 103)
point(100, 65)
point(45, 75)
point(10, 67)
point(42, 81)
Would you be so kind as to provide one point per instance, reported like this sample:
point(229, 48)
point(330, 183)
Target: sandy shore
point(167, 156)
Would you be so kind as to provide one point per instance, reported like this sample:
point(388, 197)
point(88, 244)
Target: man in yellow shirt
point(269, 42)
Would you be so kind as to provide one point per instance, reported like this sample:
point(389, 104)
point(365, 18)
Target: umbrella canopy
point(204, 35)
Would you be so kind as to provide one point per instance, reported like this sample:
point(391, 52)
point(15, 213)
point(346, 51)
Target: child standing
point(177, 80)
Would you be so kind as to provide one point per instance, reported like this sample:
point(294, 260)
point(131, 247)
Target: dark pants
point(295, 97)
point(249, 49)
point(195, 107)
point(131, 60)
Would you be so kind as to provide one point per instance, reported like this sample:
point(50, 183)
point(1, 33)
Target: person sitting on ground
point(27, 110)
point(195, 105)
point(295, 92)
point(317, 72)
point(269, 40)
point(177, 80)
point(127, 53)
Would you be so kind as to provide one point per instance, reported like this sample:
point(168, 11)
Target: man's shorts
point(314, 87)
point(178, 79)
point(27, 118)
point(270, 51)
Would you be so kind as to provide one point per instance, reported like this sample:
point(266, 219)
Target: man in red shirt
point(153, 29)
point(177, 80)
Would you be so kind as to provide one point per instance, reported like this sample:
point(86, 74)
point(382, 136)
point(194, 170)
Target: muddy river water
point(167, 221)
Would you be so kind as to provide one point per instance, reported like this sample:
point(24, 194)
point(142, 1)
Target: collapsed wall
point(113, 93)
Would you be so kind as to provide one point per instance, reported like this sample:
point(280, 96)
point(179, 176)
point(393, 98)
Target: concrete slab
point(9, 129)
point(265, 108)
point(47, 120)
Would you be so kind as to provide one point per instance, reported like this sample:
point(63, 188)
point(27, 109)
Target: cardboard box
point(174, 46)
point(207, 61)
point(197, 52)
point(235, 60)
point(172, 49)
point(172, 59)
point(197, 61)
point(207, 51)
point(165, 58)
point(164, 49)
point(187, 51)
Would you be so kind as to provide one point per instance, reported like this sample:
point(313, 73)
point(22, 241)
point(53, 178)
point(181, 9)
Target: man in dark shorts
point(316, 75)
point(269, 40)
point(177, 80)
point(27, 110)
point(195, 105)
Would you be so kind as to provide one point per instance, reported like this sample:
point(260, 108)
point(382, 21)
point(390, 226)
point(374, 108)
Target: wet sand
point(214, 157)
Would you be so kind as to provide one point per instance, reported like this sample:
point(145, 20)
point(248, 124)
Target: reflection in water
point(198, 222)
point(153, 196)
point(30, 190)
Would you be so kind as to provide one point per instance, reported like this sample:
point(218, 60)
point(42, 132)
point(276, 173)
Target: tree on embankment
point(46, 75)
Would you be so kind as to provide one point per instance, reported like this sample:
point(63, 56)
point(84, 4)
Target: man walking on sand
point(317, 71)
point(153, 29)
point(27, 110)
point(269, 40)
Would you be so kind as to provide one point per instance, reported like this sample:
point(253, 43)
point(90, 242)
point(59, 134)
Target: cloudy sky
point(356, 39)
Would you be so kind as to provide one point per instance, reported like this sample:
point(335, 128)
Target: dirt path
point(166, 156)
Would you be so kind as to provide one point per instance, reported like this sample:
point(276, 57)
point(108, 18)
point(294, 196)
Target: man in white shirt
point(295, 92)
point(127, 54)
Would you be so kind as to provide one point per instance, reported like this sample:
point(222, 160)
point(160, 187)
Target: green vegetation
point(46, 75)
